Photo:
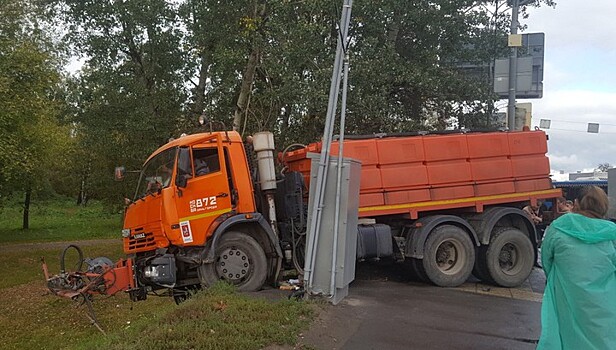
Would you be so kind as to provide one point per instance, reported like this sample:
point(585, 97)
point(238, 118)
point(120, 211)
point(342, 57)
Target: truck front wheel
point(509, 258)
point(449, 256)
point(240, 261)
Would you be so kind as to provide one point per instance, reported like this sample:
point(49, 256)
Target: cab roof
point(227, 136)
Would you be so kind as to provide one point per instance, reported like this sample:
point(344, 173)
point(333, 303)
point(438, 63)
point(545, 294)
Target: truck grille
point(141, 243)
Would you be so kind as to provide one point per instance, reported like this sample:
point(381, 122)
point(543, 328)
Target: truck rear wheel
point(449, 256)
point(416, 269)
point(240, 261)
point(509, 257)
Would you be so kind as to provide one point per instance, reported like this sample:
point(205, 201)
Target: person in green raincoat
point(579, 260)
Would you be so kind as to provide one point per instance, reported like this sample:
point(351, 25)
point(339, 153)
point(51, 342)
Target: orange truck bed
point(410, 174)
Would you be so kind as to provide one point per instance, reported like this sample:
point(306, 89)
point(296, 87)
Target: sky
point(579, 82)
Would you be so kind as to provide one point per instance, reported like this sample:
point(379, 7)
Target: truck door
point(207, 194)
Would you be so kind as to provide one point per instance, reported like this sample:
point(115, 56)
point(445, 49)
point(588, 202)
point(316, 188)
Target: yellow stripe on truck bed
point(459, 200)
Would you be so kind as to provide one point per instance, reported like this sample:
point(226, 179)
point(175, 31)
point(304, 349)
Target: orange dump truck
point(448, 203)
point(210, 207)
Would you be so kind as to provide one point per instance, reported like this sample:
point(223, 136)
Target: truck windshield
point(156, 173)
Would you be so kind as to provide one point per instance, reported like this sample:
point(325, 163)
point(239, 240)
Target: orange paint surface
point(188, 216)
point(472, 170)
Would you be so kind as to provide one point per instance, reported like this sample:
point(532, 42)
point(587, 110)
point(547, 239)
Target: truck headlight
point(125, 232)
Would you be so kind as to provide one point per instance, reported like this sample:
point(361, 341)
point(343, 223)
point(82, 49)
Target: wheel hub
point(508, 257)
point(233, 265)
point(448, 257)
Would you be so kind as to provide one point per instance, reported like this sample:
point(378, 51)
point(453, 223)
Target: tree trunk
point(199, 92)
point(392, 32)
point(81, 197)
point(284, 127)
point(26, 222)
point(247, 80)
point(241, 107)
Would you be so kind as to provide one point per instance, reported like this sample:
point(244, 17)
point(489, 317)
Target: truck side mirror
point(119, 173)
point(184, 169)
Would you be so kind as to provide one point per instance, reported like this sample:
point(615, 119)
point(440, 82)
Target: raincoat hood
point(586, 229)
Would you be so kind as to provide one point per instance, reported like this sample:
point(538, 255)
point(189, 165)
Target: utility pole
point(515, 41)
point(513, 66)
point(341, 69)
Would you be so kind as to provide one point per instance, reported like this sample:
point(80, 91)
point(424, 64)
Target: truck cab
point(190, 192)
point(183, 187)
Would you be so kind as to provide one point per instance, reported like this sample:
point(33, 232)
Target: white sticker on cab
point(186, 232)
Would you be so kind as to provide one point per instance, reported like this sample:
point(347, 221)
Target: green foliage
point(151, 68)
point(30, 135)
point(290, 93)
point(127, 99)
point(409, 53)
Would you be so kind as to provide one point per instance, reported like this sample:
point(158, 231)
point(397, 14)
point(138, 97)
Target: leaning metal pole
point(513, 68)
point(345, 84)
point(320, 181)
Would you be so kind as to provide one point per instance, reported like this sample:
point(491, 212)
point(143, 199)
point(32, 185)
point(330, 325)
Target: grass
point(32, 318)
point(57, 220)
point(24, 265)
point(218, 318)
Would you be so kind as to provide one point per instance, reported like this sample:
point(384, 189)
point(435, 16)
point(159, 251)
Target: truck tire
point(509, 258)
point(416, 270)
point(449, 256)
point(240, 261)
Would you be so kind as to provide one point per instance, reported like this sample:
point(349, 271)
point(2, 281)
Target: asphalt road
point(386, 310)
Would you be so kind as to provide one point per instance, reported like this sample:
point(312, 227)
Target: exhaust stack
point(263, 143)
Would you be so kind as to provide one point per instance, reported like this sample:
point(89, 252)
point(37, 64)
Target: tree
point(129, 95)
point(153, 67)
point(30, 133)
point(290, 90)
point(229, 39)
point(604, 167)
